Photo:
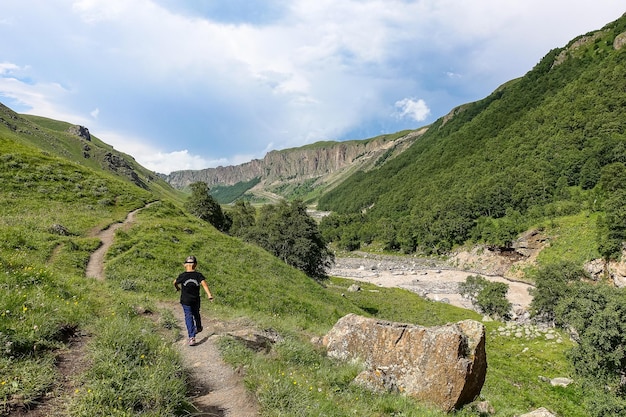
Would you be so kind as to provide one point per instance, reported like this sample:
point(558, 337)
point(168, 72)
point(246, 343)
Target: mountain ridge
point(322, 165)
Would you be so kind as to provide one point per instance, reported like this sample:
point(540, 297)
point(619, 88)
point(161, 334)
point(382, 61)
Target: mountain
point(548, 150)
point(120, 331)
point(540, 146)
point(75, 143)
point(305, 172)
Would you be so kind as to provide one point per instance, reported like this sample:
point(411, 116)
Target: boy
point(188, 283)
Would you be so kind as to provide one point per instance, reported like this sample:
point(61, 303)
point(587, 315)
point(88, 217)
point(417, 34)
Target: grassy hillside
point(533, 150)
point(51, 205)
point(54, 138)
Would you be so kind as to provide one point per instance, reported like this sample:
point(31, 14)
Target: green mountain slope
point(53, 200)
point(534, 149)
point(546, 145)
point(76, 144)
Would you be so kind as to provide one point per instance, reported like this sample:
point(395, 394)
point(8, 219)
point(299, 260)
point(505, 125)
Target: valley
point(428, 278)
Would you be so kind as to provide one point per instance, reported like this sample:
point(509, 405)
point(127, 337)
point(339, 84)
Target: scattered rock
point(540, 412)
point(483, 408)
point(443, 365)
point(620, 41)
point(560, 382)
point(354, 288)
point(256, 340)
point(59, 229)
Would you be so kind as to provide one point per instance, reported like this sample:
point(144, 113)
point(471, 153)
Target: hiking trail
point(218, 390)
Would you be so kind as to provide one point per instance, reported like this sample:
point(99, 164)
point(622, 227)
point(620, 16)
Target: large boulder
point(443, 365)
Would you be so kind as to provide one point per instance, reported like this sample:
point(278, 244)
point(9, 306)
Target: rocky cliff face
point(322, 159)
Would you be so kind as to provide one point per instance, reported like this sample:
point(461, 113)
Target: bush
point(489, 297)
point(552, 284)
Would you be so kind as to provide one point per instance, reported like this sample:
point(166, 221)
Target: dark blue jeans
point(192, 319)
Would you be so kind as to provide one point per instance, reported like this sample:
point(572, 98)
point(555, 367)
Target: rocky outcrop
point(444, 366)
point(620, 41)
point(118, 164)
point(317, 160)
point(80, 131)
point(508, 262)
point(228, 175)
point(615, 271)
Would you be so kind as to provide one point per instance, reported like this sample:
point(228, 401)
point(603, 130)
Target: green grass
point(130, 361)
point(134, 369)
point(298, 378)
point(572, 239)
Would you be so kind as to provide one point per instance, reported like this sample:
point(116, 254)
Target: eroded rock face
point(444, 365)
point(620, 41)
point(80, 131)
point(615, 271)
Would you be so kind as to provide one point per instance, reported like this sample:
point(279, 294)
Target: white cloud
point(412, 108)
point(7, 68)
point(39, 99)
point(321, 70)
point(152, 158)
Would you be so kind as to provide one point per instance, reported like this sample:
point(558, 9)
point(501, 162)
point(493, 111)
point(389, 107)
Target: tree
point(201, 204)
point(552, 284)
point(243, 217)
point(589, 174)
point(489, 296)
point(492, 299)
point(288, 232)
point(596, 313)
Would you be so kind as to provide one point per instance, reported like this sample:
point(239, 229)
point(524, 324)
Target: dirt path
point(217, 389)
point(95, 266)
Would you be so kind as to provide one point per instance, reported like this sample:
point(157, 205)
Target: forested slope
point(535, 148)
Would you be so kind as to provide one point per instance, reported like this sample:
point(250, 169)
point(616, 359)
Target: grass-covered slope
point(533, 149)
point(55, 138)
point(52, 205)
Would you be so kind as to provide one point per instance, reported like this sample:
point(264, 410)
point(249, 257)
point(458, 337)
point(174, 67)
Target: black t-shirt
point(190, 287)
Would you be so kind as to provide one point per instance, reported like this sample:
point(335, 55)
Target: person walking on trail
point(188, 283)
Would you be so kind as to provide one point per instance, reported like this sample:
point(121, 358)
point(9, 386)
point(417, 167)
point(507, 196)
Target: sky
point(194, 84)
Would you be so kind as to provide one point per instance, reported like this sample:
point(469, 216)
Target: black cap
point(191, 260)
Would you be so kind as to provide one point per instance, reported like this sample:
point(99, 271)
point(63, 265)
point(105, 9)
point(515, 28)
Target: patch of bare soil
point(218, 389)
point(95, 266)
point(70, 362)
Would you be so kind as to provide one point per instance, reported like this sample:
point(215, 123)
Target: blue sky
point(192, 84)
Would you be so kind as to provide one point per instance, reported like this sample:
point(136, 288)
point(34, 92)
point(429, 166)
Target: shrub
point(489, 297)
point(552, 285)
